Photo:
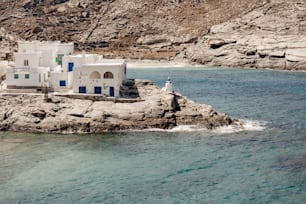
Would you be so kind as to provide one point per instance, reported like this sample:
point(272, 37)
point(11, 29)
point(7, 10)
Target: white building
point(99, 78)
point(34, 61)
point(62, 78)
point(89, 74)
point(53, 64)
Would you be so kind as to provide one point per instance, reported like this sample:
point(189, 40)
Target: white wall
point(70, 79)
point(47, 59)
point(38, 77)
point(45, 46)
point(81, 76)
point(33, 59)
point(79, 60)
point(61, 48)
point(76, 59)
point(24, 47)
point(56, 77)
point(66, 48)
point(48, 51)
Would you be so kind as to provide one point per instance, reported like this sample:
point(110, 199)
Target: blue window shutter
point(70, 66)
point(98, 90)
point(62, 83)
point(82, 89)
point(111, 91)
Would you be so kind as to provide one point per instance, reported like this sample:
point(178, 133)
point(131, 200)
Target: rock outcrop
point(8, 44)
point(3, 67)
point(155, 109)
point(271, 36)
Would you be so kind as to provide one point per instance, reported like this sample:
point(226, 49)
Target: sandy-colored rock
point(296, 55)
point(155, 109)
point(270, 36)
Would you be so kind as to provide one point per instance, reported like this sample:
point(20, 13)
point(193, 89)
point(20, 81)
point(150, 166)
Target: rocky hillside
point(271, 36)
point(247, 33)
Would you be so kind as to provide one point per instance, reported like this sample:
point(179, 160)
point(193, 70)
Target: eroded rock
point(270, 36)
point(155, 109)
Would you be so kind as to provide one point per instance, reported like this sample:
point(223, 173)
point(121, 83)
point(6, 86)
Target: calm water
point(267, 166)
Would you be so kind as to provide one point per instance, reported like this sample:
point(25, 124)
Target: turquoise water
point(267, 166)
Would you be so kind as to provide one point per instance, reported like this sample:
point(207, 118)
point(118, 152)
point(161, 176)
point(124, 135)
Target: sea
point(262, 162)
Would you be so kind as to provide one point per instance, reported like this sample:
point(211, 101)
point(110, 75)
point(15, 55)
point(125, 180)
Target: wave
point(239, 126)
point(242, 125)
point(180, 128)
point(187, 128)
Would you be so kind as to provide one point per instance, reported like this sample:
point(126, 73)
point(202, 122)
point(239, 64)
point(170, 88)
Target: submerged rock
point(154, 108)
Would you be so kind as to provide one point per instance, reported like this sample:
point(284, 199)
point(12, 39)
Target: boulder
point(296, 55)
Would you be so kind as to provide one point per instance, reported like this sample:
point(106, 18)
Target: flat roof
point(104, 64)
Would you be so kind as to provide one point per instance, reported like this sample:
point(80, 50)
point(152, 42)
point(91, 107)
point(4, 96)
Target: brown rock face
point(243, 33)
point(156, 109)
point(151, 29)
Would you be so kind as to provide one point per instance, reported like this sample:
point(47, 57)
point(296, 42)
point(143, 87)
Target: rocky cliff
point(245, 33)
point(271, 36)
point(155, 109)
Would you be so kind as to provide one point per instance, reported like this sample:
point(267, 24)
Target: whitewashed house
point(104, 77)
point(89, 74)
point(54, 65)
point(62, 78)
point(34, 61)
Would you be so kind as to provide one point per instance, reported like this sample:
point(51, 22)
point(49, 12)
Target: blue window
point(111, 91)
point(70, 66)
point(82, 89)
point(62, 83)
point(98, 90)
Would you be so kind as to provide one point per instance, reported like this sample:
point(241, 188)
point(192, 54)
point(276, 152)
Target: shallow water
point(265, 164)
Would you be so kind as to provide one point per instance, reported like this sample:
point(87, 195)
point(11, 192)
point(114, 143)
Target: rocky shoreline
point(156, 109)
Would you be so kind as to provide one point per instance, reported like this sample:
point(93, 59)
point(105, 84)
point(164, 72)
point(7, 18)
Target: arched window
point(108, 75)
point(95, 75)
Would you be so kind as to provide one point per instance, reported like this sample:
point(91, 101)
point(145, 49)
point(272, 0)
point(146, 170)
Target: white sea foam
point(180, 128)
point(242, 125)
point(187, 128)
